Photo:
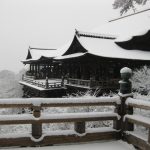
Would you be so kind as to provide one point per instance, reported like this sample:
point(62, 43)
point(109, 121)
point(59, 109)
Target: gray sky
point(45, 24)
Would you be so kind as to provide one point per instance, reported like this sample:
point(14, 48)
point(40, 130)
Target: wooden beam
point(58, 139)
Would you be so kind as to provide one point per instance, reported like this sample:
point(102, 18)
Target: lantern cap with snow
point(126, 73)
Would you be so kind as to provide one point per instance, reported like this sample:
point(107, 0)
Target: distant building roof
point(35, 54)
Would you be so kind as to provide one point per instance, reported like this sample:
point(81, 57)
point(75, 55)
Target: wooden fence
point(123, 119)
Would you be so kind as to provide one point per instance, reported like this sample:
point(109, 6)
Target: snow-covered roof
point(101, 41)
point(108, 48)
point(127, 26)
point(37, 53)
point(104, 47)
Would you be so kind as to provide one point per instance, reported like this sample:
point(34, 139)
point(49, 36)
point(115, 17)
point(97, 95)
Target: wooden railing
point(79, 82)
point(93, 83)
point(37, 118)
point(123, 119)
point(131, 118)
point(45, 85)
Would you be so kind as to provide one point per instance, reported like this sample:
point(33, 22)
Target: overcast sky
point(45, 24)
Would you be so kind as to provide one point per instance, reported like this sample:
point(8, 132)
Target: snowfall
point(103, 145)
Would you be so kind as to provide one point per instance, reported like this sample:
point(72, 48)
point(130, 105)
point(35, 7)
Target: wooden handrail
point(38, 118)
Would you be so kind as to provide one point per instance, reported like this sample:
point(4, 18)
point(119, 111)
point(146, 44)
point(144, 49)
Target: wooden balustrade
point(37, 118)
point(45, 85)
point(131, 119)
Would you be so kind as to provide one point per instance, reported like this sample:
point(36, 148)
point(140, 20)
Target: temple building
point(93, 59)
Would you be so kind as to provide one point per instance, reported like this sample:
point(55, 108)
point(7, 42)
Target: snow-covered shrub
point(141, 80)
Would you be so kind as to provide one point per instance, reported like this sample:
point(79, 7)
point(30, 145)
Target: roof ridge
point(94, 35)
point(129, 15)
point(41, 48)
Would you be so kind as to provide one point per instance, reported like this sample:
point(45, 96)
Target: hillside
point(9, 86)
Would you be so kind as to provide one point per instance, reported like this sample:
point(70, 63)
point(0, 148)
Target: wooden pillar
point(35, 70)
point(30, 67)
point(46, 83)
point(36, 127)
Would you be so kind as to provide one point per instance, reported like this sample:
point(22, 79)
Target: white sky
point(45, 24)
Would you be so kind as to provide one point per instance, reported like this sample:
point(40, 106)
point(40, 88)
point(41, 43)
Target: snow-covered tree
point(141, 80)
point(126, 5)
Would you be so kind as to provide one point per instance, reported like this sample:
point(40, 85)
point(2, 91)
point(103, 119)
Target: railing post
point(79, 127)
point(124, 93)
point(117, 123)
point(36, 127)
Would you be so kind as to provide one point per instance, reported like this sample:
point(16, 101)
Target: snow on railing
point(60, 101)
point(38, 118)
point(138, 103)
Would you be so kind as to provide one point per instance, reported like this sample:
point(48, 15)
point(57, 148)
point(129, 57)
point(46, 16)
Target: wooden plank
point(55, 120)
point(137, 142)
point(58, 139)
point(69, 104)
point(139, 121)
point(15, 105)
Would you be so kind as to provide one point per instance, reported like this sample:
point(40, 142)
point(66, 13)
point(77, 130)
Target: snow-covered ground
point(103, 145)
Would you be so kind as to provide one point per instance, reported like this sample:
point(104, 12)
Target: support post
point(62, 81)
point(91, 82)
point(125, 92)
point(79, 127)
point(36, 127)
point(46, 83)
point(30, 68)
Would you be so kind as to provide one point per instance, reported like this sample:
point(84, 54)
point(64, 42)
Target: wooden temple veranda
point(91, 60)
